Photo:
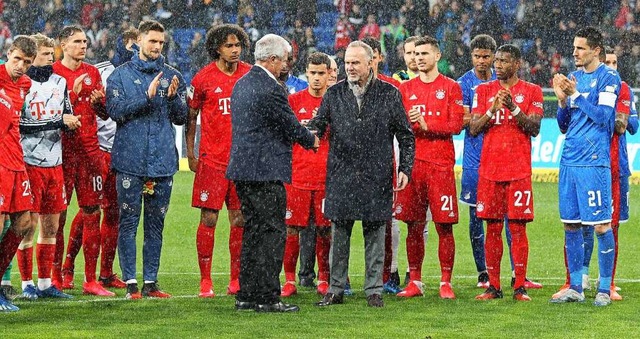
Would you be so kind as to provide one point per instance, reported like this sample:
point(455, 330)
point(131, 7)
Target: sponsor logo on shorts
point(288, 215)
point(204, 196)
point(527, 211)
point(480, 207)
point(596, 212)
point(451, 214)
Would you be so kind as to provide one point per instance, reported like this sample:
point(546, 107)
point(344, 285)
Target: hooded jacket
point(144, 143)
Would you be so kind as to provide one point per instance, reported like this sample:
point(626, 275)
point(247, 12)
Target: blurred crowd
point(543, 29)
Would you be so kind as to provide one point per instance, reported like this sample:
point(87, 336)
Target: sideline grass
point(186, 315)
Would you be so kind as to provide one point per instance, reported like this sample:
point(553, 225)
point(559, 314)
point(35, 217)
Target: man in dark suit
point(364, 114)
point(263, 131)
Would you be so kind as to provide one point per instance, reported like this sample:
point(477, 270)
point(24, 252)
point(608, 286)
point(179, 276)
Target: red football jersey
point(622, 106)
point(506, 149)
point(85, 138)
point(390, 80)
point(309, 169)
point(440, 103)
point(11, 156)
point(15, 90)
point(210, 92)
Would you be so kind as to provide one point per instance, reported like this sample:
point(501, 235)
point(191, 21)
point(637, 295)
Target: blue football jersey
point(588, 138)
point(632, 127)
point(472, 145)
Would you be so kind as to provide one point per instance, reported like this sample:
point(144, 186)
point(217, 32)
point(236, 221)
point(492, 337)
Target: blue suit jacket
point(263, 130)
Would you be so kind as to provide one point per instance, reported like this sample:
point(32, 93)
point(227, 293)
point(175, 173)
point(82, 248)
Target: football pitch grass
point(185, 315)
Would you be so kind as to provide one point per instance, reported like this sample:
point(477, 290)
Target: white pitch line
point(622, 280)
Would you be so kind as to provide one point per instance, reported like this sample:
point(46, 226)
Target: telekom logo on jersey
point(423, 110)
point(224, 104)
point(38, 110)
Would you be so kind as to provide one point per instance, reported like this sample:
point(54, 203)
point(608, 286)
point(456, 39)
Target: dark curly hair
point(217, 36)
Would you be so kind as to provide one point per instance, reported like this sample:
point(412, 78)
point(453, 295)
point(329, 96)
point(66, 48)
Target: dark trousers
point(263, 207)
point(307, 253)
point(156, 205)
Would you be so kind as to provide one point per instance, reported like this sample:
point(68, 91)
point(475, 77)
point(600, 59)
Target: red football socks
point(91, 243)
point(205, 240)
point(291, 252)
point(446, 250)
point(415, 251)
point(493, 251)
point(519, 251)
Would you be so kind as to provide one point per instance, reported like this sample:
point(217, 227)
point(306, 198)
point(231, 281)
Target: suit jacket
point(263, 130)
point(361, 157)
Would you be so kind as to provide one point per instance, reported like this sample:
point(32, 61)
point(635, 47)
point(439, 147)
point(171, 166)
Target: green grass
point(186, 315)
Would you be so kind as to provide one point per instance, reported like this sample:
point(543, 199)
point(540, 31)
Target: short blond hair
point(43, 40)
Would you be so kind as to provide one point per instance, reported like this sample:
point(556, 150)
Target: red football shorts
point(211, 189)
point(615, 197)
point(499, 198)
point(304, 206)
point(85, 173)
point(15, 191)
point(430, 186)
point(110, 195)
point(47, 188)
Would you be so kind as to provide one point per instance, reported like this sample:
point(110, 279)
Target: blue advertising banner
point(546, 148)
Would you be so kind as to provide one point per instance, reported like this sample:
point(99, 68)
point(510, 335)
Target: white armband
point(516, 111)
point(489, 114)
point(574, 96)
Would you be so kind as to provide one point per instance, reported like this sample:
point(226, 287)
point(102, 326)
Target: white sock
point(26, 283)
point(131, 281)
point(43, 284)
point(149, 282)
point(5, 283)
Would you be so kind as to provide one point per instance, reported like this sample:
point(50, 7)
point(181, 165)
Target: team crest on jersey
point(288, 215)
point(440, 94)
point(126, 183)
point(164, 82)
point(87, 81)
point(204, 196)
point(519, 98)
point(480, 207)
point(594, 82)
